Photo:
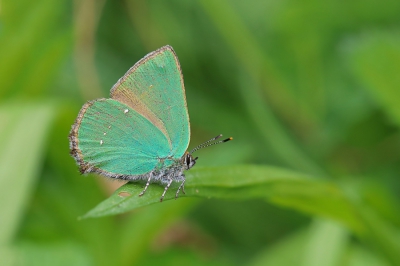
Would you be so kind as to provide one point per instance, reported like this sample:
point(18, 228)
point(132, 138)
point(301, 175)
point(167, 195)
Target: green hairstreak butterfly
point(142, 132)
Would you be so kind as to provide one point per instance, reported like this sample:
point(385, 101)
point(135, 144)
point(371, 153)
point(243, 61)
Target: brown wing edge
point(75, 152)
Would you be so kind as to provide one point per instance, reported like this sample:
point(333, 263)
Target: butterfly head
point(189, 161)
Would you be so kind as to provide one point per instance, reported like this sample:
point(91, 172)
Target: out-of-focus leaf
point(274, 133)
point(139, 230)
point(323, 243)
point(359, 256)
point(293, 250)
point(184, 256)
point(327, 243)
point(8, 256)
point(374, 59)
point(23, 131)
point(287, 251)
point(34, 254)
point(256, 61)
point(29, 56)
point(382, 236)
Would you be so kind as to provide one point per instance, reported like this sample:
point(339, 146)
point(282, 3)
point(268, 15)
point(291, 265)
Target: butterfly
point(142, 132)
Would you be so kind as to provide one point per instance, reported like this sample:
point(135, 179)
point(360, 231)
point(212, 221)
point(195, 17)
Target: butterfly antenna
point(208, 144)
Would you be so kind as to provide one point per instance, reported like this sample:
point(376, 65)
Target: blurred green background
point(308, 86)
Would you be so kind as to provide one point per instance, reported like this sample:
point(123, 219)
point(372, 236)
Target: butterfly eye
point(188, 160)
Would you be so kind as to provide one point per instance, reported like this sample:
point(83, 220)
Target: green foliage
point(308, 89)
point(243, 182)
point(23, 125)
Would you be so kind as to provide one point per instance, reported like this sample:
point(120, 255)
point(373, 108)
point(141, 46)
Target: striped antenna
point(208, 144)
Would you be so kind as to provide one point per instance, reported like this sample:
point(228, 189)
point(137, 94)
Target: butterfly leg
point(183, 189)
point(147, 184)
point(166, 188)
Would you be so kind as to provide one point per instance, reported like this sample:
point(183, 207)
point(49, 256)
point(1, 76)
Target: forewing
point(154, 88)
point(112, 139)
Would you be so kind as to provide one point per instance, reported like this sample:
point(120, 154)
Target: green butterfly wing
point(154, 88)
point(143, 126)
point(112, 139)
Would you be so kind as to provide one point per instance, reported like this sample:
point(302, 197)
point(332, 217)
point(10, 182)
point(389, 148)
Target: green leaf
point(280, 186)
point(23, 131)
